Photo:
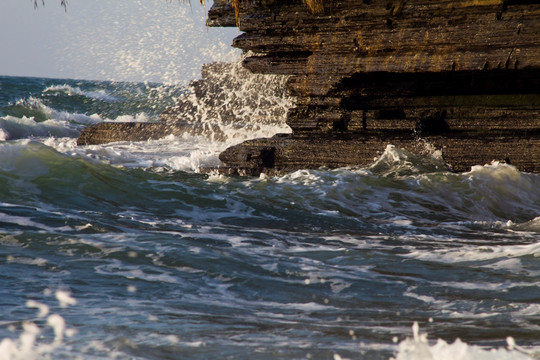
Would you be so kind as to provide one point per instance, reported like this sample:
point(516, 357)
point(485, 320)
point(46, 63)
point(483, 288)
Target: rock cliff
point(461, 76)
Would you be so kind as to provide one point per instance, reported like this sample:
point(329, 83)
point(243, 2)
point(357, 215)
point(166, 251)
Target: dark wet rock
point(463, 76)
point(107, 132)
point(284, 153)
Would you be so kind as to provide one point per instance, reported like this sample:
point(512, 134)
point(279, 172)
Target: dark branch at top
point(63, 3)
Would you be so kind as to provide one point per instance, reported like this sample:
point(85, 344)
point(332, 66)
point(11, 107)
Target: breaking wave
point(65, 89)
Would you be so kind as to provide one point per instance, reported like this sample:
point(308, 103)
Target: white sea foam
point(418, 348)
point(496, 171)
point(253, 98)
point(22, 128)
point(250, 101)
point(532, 226)
point(26, 260)
point(30, 344)
point(44, 122)
point(502, 253)
point(43, 308)
point(399, 162)
point(35, 104)
point(140, 117)
point(65, 298)
point(133, 272)
point(4, 135)
point(63, 89)
point(187, 153)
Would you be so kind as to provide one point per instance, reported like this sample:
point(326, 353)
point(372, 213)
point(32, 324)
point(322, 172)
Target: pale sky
point(122, 40)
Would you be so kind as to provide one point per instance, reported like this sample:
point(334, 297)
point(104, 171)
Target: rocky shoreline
point(462, 76)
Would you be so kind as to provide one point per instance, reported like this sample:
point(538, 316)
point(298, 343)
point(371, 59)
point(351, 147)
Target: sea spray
point(32, 341)
point(230, 104)
point(154, 41)
point(227, 106)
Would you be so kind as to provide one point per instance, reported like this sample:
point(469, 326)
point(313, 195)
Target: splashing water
point(230, 104)
point(151, 41)
point(227, 106)
point(31, 343)
point(418, 348)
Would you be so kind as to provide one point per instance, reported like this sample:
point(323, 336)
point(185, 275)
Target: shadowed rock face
point(285, 153)
point(461, 75)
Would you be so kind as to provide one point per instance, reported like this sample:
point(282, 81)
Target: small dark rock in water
point(107, 132)
point(463, 76)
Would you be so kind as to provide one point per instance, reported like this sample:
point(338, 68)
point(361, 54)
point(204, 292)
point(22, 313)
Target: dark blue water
point(125, 251)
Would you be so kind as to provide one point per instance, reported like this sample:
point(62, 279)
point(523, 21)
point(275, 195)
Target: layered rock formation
point(463, 76)
point(460, 76)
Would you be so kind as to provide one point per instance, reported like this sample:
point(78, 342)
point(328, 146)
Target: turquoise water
point(126, 251)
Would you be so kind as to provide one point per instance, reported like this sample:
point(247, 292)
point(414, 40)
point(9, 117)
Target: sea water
point(128, 251)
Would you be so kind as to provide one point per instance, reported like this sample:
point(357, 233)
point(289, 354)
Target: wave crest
point(399, 162)
point(65, 89)
point(13, 128)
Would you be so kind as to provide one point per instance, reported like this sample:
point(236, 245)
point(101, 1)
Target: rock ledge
point(463, 76)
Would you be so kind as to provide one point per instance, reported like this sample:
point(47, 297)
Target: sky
point(122, 40)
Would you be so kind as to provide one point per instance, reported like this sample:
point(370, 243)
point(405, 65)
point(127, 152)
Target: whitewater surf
point(126, 251)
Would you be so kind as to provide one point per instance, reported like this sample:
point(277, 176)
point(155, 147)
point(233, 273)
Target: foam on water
point(532, 226)
point(398, 162)
point(502, 252)
point(12, 128)
point(250, 106)
point(32, 340)
point(39, 111)
point(418, 348)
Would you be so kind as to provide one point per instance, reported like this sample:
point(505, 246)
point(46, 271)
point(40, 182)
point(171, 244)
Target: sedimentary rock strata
point(462, 75)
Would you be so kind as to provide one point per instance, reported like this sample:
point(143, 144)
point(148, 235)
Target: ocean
point(129, 251)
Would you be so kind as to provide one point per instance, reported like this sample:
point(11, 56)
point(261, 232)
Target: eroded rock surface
point(463, 76)
point(460, 76)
